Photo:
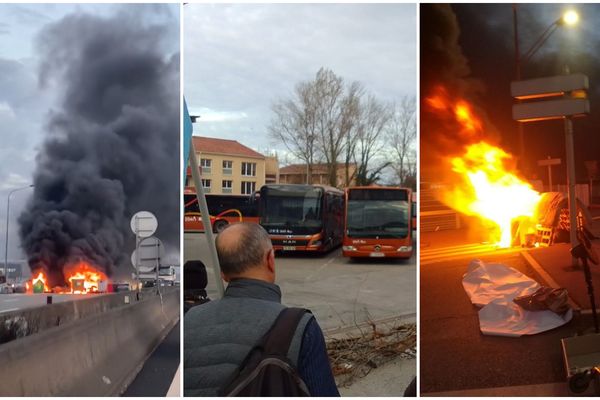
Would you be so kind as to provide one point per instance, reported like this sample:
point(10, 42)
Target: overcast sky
point(24, 104)
point(239, 59)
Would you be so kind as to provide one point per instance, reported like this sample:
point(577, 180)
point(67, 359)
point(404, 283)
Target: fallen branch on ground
point(355, 356)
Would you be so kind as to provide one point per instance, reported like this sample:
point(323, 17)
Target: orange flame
point(83, 278)
point(489, 186)
point(41, 277)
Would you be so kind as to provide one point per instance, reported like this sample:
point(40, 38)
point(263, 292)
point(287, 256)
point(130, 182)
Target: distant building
point(229, 167)
point(16, 270)
point(271, 169)
point(296, 173)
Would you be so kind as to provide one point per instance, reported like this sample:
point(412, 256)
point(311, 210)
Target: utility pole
point(520, 134)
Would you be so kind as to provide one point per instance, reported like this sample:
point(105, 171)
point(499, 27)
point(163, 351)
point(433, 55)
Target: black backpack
point(267, 371)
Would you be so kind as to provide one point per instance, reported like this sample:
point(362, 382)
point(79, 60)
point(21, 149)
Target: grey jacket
point(219, 334)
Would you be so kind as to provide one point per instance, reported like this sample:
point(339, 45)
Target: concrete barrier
point(32, 320)
point(97, 355)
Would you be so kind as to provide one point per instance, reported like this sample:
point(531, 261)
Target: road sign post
point(592, 170)
point(556, 97)
point(571, 181)
point(143, 224)
point(549, 162)
point(147, 258)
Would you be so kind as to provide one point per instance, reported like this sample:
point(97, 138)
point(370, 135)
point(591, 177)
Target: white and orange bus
point(378, 222)
point(224, 209)
point(302, 217)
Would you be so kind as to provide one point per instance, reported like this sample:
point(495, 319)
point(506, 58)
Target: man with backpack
point(248, 343)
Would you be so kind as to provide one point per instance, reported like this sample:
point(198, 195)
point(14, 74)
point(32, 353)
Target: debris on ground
point(354, 356)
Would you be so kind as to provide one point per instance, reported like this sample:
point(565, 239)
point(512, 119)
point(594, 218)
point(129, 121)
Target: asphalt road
point(19, 301)
point(455, 356)
point(340, 292)
point(157, 375)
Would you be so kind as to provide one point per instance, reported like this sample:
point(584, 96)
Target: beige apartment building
point(271, 169)
point(229, 167)
point(296, 173)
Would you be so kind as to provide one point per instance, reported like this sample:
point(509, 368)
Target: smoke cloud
point(445, 72)
point(112, 145)
point(487, 41)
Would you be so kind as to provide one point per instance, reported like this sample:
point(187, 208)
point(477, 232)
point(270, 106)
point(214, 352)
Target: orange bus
point(378, 222)
point(302, 217)
point(413, 210)
point(224, 209)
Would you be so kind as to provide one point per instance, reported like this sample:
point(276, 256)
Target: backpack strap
point(276, 341)
point(279, 337)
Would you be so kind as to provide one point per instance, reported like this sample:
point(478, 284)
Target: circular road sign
point(151, 251)
point(144, 224)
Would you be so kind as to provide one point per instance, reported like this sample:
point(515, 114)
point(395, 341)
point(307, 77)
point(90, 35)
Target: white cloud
point(208, 115)
point(6, 110)
point(13, 181)
point(241, 58)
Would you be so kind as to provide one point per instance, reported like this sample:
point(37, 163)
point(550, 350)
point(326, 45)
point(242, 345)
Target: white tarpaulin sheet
point(493, 287)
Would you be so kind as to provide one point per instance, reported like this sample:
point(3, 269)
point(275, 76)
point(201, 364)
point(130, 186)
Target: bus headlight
point(315, 243)
point(349, 248)
point(404, 249)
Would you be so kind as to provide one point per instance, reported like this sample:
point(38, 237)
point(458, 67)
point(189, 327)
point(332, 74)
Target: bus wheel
point(219, 225)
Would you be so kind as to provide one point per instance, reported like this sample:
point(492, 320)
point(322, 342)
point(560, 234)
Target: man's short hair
point(247, 251)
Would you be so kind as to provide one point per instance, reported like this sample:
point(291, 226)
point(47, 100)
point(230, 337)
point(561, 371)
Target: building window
point(248, 169)
point(206, 185)
point(227, 167)
point(205, 166)
point(227, 186)
point(248, 187)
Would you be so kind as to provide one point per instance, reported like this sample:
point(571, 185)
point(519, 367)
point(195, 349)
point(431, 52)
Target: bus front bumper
point(377, 251)
point(297, 243)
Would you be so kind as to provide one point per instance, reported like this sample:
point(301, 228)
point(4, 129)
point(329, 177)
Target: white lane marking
point(10, 300)
point(8, 310)
point(320, 268)
point(175, 388)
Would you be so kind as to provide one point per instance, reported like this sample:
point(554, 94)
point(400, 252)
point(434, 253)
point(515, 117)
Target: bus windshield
point(289, 207)
point(379, 213)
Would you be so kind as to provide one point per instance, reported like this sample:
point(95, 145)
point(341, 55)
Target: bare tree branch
point(332, 121)
point(374, 119)
point(401, 137)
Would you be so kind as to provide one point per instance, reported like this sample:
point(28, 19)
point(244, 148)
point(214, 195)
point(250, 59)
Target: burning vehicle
point(111, 145)
point(80, 278)
point(487, 185)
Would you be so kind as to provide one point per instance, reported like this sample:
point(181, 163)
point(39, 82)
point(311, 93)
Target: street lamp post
point(7, 220)
point(569, 18)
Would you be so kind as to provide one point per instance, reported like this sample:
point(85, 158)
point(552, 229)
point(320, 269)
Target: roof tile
point(223, 146)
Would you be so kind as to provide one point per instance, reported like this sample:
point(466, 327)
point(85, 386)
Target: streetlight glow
point(570, 18)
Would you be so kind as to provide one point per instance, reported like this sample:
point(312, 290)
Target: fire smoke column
point(445, 76)
point(112, 145)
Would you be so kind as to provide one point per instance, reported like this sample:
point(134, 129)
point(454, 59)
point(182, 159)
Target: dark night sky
point(469, 48)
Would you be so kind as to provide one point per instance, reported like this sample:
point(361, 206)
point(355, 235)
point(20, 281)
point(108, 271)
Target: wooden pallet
point(545, 235)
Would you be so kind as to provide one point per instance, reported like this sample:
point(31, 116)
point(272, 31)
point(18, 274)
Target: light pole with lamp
point(7, 220)
point(569, 18)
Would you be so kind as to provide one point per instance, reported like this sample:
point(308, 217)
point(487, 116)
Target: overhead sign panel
point(551, 109)
point(550, 86)
point(549, 161)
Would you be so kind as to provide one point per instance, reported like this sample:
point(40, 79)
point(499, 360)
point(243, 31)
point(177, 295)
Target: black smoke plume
point(483, 35)
point(112, 146)
point(445, 69)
